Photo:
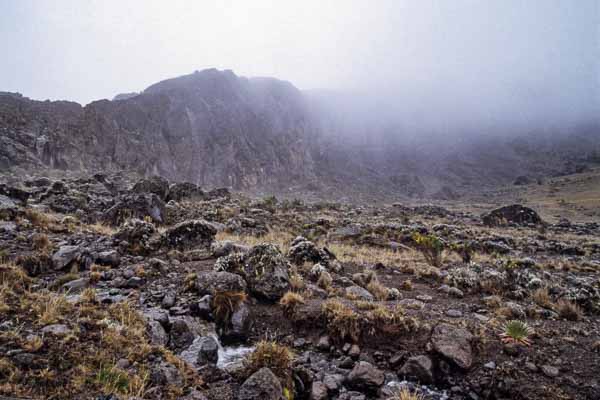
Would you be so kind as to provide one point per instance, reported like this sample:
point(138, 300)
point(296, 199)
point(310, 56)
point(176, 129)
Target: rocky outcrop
point(264, 268)
point(516, 214)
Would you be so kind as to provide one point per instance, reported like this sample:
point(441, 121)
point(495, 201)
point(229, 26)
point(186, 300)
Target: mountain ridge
point(214, 128)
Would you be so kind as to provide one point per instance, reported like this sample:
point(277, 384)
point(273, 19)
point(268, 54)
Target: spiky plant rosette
point(515, 331)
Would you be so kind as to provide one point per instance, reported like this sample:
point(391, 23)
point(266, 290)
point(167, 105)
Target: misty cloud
point(427, 65)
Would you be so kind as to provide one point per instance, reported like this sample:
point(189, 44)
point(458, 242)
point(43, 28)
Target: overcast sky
point(465, 50)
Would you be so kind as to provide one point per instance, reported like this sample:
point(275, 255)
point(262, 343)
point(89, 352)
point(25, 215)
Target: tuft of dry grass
point(40, 241)
point(224, 305)
point(100, 229)
point(367, 255)
point(406, 394)
point(38, 219)
point(542, 298)
point(281, 238)
point(378, 290)
point(342, 322)
point(296, 281)
point(290, 302)
point(81, 364)
point(276, 357)
point(569, 310)
point(325, 280)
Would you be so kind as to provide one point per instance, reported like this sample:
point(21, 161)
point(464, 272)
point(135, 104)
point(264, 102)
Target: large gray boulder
point(66, 256)
point(138, 235)
point(516, 214)
point(454, 344)
point(154, 184)
point(365, 377)
point(303, 250)
point(189, 234)
point(8, 208)
point(262, 385)
point(211, 282)
point(419, 368)
point(264, 268)
point(137, 206)
point(185, 191)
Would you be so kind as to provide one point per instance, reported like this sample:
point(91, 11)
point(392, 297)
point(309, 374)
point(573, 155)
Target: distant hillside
point(214, 128)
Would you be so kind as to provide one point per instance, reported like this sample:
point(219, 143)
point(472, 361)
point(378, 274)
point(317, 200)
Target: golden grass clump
point(40, 241)
point(343, 323)
point(290, 302)
point(367, 255)
point(100, 229)
point(281, 238)
point(542, 298)
point(296, 281)
point(276, 357)
point(224, 304)
point(37, 218)
point(81, 363)
point(325, 280)
point(569, 310)
point(406, 394)
point(378, 290)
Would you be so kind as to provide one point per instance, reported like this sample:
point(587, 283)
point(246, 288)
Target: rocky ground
point(113, 287)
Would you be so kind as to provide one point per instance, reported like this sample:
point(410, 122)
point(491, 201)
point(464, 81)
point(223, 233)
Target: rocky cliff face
point(212, 128)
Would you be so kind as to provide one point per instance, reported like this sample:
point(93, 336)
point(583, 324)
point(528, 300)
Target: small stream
point(231, 355)
point(228, 355)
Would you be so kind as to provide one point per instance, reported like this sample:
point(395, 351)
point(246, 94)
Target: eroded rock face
point(515, 213)
point(454, 344)
point(211, 128)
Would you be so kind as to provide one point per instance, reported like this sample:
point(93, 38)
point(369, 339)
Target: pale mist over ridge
point(428, 66)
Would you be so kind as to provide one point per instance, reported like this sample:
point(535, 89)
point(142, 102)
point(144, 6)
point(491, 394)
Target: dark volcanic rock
point(515, 213)
point(522, 180)
point(213, 281)
point(365, 376)
point(185, 191)
point(420, 368)
point(189, 234)
point(136, 206)
point(155, 184)
point(264, 268)
point(454, 344)
point(262, 385)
